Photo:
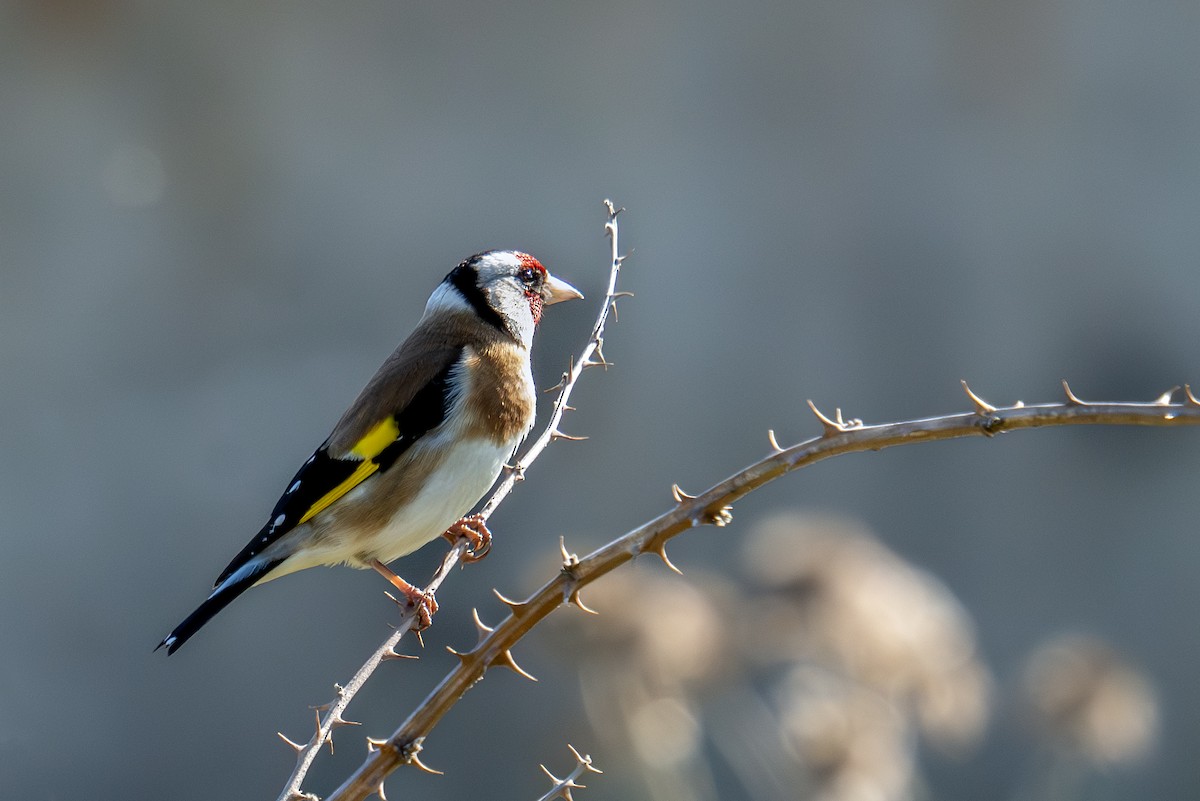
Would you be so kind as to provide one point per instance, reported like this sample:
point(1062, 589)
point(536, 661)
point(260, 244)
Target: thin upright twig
point(591, 355)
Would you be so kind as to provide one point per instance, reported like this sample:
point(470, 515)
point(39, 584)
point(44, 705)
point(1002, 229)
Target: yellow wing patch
point(357, 477)
point(378, 438)
point(367, 448)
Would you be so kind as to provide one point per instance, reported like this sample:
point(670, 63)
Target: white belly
point(468, 471)
point(460, 480)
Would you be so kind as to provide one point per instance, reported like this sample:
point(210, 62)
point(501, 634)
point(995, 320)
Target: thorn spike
point(775, 446)
point(297, 747)
point(578, 601)
point(661, 550)
point(569, 560)
point(481, 628)
point(392, 653)
point(1072, 398)
point(505, 659)
point(1192, 400)
point(982, 407)
point(416, 762)
point(518, 608)
point(1166, 398)
point(462, 657)
point(379, 792)
point(679, 495)
point(831, 427)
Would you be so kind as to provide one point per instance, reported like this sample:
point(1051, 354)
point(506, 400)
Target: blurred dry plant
point(910, 690)
point(1087, 702)
point(817, 675)
point(839, 597)
point(1089, 709)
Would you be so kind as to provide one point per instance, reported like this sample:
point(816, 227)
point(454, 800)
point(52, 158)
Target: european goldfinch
point(422, 443)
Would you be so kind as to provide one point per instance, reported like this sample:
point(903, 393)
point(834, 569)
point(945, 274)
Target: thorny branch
point(713, 506)
point(591, 356)
point(562, 787)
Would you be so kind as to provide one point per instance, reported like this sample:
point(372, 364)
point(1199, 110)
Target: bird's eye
point(527, 275)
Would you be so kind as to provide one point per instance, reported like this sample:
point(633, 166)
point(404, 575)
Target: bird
point(420, 445)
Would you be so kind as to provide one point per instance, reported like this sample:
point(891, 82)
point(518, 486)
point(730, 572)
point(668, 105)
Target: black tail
point(220, 599)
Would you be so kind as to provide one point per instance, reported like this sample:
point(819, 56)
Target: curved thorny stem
point(713, 506)
point(592, 355)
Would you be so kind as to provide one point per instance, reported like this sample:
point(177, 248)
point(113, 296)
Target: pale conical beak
point(556, 291)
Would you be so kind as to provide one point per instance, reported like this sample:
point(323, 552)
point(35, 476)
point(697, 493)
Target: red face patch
point(536, 302)
point(530, 262)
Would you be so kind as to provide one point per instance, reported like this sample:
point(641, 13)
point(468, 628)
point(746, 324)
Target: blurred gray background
point(216, 219)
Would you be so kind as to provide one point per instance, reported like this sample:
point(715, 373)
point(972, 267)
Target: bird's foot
point(474, 529)
point(413, 597)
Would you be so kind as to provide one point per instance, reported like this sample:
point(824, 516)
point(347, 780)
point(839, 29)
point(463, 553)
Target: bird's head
point(508, 289)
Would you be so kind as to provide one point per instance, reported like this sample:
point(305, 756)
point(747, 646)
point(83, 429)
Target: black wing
point(324, 478)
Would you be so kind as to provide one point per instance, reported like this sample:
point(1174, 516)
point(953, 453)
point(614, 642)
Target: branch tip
point(982, 407)
point(612, 210)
